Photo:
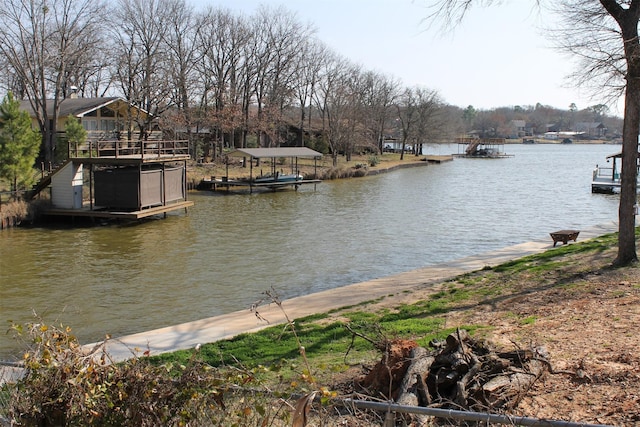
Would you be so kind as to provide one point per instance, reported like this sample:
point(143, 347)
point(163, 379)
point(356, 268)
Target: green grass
point(529, 320)
point(545, 261)
point(329, 344)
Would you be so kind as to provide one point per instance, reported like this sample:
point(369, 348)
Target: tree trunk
point(626, 216)
point(628, 21)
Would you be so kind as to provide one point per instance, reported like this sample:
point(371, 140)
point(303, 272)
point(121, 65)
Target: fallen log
point(413, 388)
point(461, 373)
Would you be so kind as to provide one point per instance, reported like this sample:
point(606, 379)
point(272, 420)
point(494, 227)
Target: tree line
point(231, 74)
point(263, 79)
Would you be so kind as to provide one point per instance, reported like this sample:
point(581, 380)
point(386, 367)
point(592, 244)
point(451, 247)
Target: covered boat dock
point(275, 179)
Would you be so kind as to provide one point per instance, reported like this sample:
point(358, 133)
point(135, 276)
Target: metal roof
point(260, 153)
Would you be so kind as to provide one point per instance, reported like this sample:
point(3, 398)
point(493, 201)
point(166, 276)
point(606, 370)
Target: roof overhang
point(260, 153)
point(116, 104)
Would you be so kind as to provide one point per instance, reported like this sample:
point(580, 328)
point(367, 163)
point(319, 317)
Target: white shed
point(66, 187)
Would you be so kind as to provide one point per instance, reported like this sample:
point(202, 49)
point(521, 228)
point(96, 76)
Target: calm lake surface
point(228, 249)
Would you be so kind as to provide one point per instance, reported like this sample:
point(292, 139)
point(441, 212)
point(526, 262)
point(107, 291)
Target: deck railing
point(130, 149)
point(604, 174)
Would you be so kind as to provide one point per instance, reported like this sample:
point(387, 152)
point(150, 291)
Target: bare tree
point(380, 92)
point(431, 121)
point(141, 28)
point(307, 79)
point(223, 71)
point(604, 34)
point(280, 44)
point(42, 41)
point(334, 100)
point(182, 57)
point(408, 109)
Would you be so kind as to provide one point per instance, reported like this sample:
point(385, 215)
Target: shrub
point(65, 384)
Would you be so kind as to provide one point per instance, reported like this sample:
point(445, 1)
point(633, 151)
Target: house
point(518, 129)
point(104, 118)
point(592, 129)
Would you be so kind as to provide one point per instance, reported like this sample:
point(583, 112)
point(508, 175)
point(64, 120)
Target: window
point(90, 124)
point(107, 125)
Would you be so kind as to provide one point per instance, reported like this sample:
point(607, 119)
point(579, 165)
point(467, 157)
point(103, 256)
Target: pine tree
point(76, 133)
point(19, 144)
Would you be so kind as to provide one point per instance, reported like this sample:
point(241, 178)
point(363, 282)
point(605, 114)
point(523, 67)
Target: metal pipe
point(464, 415)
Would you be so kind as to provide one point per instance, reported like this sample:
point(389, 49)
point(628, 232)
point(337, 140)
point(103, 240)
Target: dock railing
point(144, 149)
point(603, 174)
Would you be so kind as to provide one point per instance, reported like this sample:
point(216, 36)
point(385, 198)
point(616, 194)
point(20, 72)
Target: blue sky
point(496, 57)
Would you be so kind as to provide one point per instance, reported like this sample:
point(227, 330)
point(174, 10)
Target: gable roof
point(259, 153)
point(80, 107)
point(589, 125)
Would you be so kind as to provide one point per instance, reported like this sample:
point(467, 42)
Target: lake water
point(229, 249)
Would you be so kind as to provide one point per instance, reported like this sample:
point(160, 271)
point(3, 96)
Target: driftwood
point(460, 373)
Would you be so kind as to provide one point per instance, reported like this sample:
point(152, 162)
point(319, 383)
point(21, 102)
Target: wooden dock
point(227, 185)
point(437, 159)
point(86, 212)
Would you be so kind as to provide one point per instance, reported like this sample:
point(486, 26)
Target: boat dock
point(225, 184)
point(87, 212)
point(608, 179)
point(128, 179)
point(481, 148)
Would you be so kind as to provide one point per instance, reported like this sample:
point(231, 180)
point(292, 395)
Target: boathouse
point(135, 180)
point(125, 177)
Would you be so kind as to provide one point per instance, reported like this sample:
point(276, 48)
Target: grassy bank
point(567, 299)
point(540, 300)
point(411, 316)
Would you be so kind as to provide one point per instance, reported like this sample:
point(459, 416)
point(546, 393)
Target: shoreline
point(187, 335)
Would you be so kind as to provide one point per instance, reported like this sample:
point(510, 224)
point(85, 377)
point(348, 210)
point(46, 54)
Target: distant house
point(553, 127)
point(518, 129)
point(592, 129)
point(105, 118)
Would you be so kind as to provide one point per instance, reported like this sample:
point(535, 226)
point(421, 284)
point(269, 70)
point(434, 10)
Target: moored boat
point(279, 177)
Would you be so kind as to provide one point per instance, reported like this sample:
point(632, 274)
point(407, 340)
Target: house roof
point(589, 125)
point(260, 153)
point(80, 107)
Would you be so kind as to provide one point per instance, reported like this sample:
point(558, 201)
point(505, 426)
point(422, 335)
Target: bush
point(67, 385)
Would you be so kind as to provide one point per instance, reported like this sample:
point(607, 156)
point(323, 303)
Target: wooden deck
point(437, 159)
point(126, 215)
point(129, 152)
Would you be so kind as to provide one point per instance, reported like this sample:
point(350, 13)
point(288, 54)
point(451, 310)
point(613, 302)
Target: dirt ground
point(591, 333)
point(588, 319)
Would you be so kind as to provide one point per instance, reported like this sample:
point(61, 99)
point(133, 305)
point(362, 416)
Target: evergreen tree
point(19, 143)
point(76, 133)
